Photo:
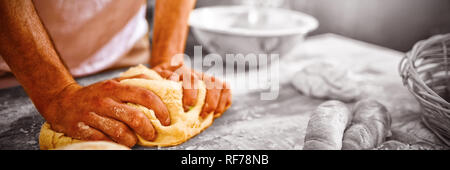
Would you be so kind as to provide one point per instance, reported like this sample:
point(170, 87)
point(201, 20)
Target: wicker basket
point(426, 73)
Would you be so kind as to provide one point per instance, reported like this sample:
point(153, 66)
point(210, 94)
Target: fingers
point(144, 97)
point(116, 130)
point(224, 102)
point(229, 100)
point(189, 98)
point(167, 74)
point(189, 84)
point(212, 97)
point(218, 96)
point(82, 131)
point(190, 91)
point(129, 115)
point(170, 75)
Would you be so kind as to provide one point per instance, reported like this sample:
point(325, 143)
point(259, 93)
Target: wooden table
point(252, 123)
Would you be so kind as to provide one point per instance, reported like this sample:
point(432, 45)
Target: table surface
point(252, 123)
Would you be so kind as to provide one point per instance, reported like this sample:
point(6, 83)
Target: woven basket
point(426, 73)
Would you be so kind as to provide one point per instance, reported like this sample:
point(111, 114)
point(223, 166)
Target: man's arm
point(94, 112)
point(170, 29)
point(29, 52)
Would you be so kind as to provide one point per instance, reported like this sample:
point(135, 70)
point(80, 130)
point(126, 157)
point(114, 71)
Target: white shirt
point(91, 35)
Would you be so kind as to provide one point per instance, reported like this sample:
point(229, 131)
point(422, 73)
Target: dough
point(324, 80)
point(94, 145)
point(184, 125)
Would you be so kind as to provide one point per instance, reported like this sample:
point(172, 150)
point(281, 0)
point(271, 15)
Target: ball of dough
point(184, 125)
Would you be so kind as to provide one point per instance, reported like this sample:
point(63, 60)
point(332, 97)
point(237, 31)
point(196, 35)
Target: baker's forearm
point(29, 52)
point(170, 29)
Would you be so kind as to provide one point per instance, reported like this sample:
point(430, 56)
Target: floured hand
point(99, 112)
point(218, 93)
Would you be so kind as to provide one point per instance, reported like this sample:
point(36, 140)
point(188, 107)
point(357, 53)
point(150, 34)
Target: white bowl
point(236, 30)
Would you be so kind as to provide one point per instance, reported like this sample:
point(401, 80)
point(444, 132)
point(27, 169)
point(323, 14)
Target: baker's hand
point(100, 112)
point(218, 93)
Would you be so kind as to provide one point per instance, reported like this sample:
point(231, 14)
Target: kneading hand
point(100, 112)
point(218, 93)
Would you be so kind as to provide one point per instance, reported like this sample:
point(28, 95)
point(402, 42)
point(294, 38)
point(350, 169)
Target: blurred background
point(396, 24)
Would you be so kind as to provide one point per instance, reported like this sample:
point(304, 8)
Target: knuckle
point(125, 87)
point(129, 140)
point(212, 96)
point(102, 104)
point(82, 131)
point(145, 94)
point(138, 120)
point(143, 127)
point(108, 84)
point(87, 117)
point(97, 101)
point(121, 131)
point(141, 117)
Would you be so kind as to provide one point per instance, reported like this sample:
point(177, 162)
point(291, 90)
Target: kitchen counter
point(252, 123)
